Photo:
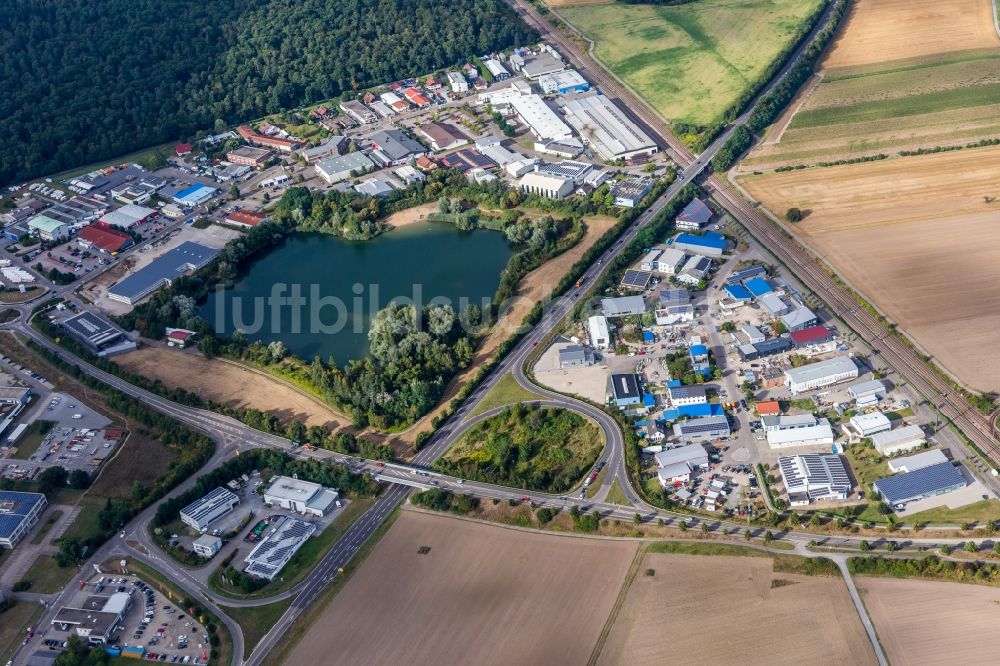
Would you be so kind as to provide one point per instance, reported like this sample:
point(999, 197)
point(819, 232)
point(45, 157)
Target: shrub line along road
point(233, 435)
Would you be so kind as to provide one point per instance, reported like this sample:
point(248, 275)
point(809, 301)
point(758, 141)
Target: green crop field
point(691, 61)
point(949, 100)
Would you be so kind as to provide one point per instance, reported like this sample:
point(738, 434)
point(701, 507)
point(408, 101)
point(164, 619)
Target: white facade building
point(301, 496)
point(546, 185)
point(539, 116)
point(597, 328)
point(896, 441)
point(799, 430)
point(813, 477)
point(458, 84)
point(866, 425)
point(819, 375)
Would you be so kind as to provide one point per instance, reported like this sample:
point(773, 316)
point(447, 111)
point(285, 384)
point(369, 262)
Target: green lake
point(317, 293)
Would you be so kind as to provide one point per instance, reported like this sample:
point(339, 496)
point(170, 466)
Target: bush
point(793, 215)
point(545, 515)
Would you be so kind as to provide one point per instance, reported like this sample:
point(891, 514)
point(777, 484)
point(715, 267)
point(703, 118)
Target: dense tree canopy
point(86, 81)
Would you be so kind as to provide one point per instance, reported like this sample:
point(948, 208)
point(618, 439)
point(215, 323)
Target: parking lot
point(154, 622)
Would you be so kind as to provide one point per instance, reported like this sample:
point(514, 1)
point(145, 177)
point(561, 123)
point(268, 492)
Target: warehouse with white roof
point(607, 129)
point(896, 441)
point(814, 477)
point(822, 374)
point(539, 116)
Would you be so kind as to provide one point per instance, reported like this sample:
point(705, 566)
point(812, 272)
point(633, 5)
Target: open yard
point(479, 595)
point(931, 622)
point(767, 617)
point(226, 382)
point(917, 237)
point(690, 61)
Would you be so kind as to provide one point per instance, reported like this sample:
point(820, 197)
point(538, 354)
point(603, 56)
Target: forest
point(87, 81)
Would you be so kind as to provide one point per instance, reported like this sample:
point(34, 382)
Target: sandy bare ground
point(931, 622)
point(883, 30)
point(534, 287)
point(481, 595)
point(919, 237)
point(405, 218)
point(229, 383)
point(678, 610)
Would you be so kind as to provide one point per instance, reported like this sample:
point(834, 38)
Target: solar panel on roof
point(634, 278)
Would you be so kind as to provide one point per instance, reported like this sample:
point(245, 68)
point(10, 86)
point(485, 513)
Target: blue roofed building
point(195, 195)
point(18, 513)
point(699, 357)
point(738, 292)
point(649, 400)
point(703, 409)
point(758, 286)
point(710, 243)
point(672, 383)
point(920, 483)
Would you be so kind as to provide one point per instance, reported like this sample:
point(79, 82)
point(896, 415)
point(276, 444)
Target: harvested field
point(229, 383)
point(767, 617)
point(690, 61)
point(917, 236)
point(480, 595)
point(963, 630)
point(883, 30)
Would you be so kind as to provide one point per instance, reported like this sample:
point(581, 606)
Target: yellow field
point(884, 30)
point(919, 237)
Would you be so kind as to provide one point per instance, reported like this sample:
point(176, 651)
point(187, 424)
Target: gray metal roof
point(624, 305)
point(185, 257)
point(833, 366)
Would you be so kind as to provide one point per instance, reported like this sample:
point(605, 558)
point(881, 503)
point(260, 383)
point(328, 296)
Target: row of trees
point(237, 60)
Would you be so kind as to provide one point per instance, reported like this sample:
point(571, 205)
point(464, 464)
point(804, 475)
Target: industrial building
point(695, 270)
point(674, 315)
point(358, 111)
point(442, 136)
point(758, 287)
point(94, 331)
point(694, 216)
point(563, 83)
point(539, 116)
point(710, 244)
point(669, 261)
point(195, 195)
point(814, 477)
point(937, 479)
point(183, 259)
point(811, 336)
point(702, 429)
point(820, 375)
point(18, 513)
point(899, 440)
point(676, 465)
point(98, 619)
point(687, 395)
point(249, 156)
point(458, 84)
point(330, 147)
point(47, 228)
point(203, 512)
point(772, 305)
point(636, 280)
point(629, 192)
point(606, 128)
point(546, 185)
point(625, 390)
point(393, 146)
point(917, 461)
point(300, 496)
point(757, 350)
point(623, 306)
point(129, 216)
point(575, 356)
point(597, 328)
point(572, 169)
point(335, 169)
point(799, 318)
point(374, 187)
point(246, 218)
point(274, 551)
point(866, 425)
point(104, 239)
point(496, 69)
point(535, 66)
point(797, 430)
point(207, 545)
point(867, 394)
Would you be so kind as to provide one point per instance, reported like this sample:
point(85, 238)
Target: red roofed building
point(178, 337)
point(433, 83)
point(425, 163)
point(416, 98)
point(183, 149)
point(102, 237)
point(813, 335)
point(769, 408)
point(246, 218)
point(253, 138)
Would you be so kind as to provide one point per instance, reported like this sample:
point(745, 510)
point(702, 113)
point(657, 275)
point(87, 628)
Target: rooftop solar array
point(924, 482)
point(636, 279)
point(273, 553)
